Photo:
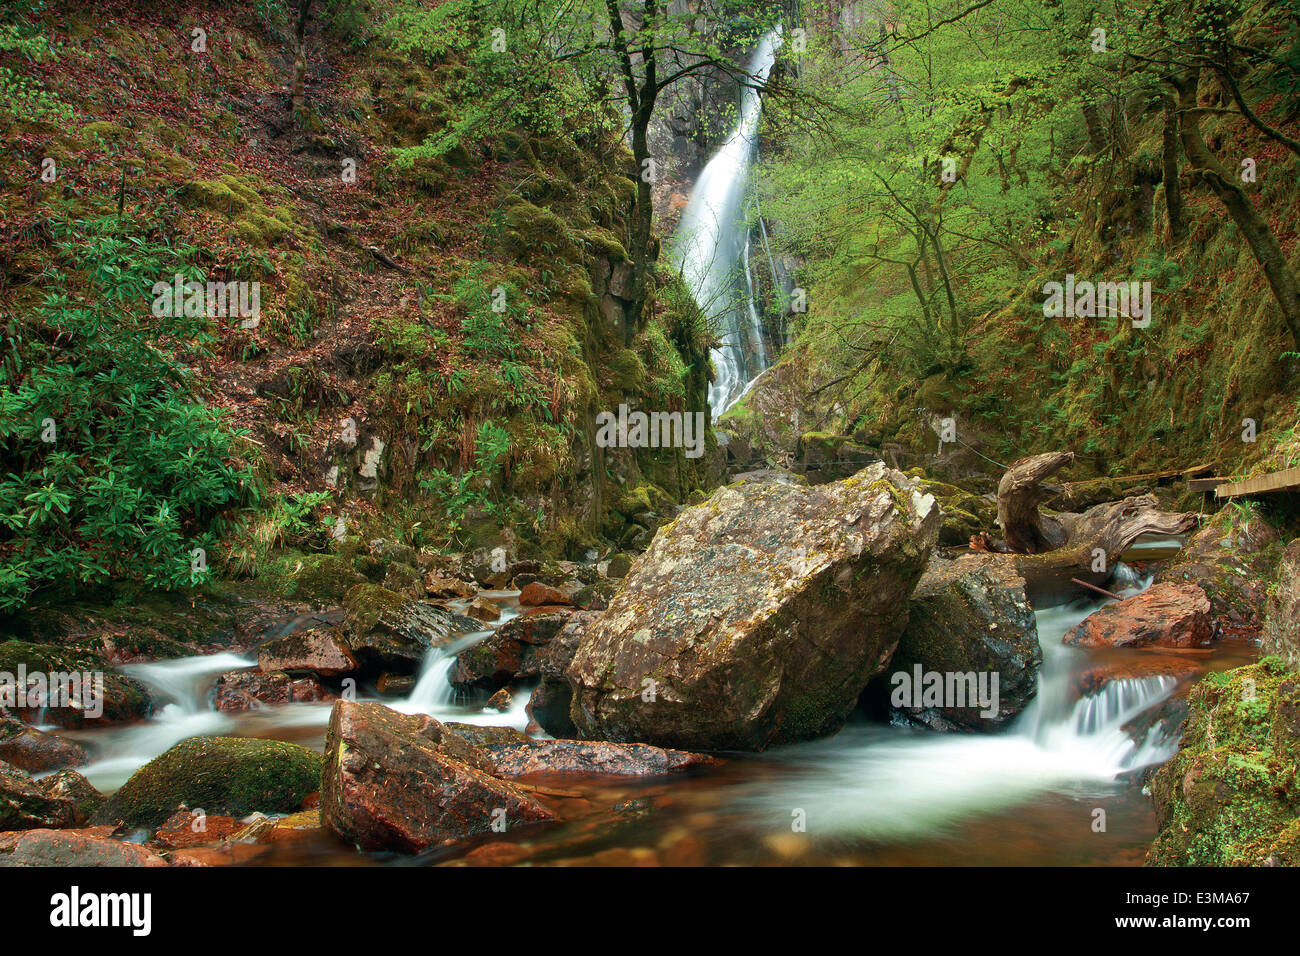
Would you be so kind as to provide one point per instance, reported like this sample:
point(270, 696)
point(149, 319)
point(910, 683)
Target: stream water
point(871, 794)
point(712, 246)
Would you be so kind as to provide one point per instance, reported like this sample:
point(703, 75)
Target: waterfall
point(712, 247)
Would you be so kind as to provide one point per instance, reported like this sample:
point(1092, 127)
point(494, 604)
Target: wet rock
point(1164, 615)
point(501, 700)
point(967, 617)
point(386, 631)
point(59, 847)
point(404, 782)
point(70, 785)
point(34, 750)
point(222, 775)
point(758, 616)
point(186, 828)
point(549, 704)
point(1281, 634)
point(25, 805)
point(398, 684)
point(592, 757)
point(445, 587)
point(247, 690)
point(317, 651)
point(538, 594)
point(486, 735)
point(124, 698)
point(1231, 558)
point(481, 609)
point(507, 653)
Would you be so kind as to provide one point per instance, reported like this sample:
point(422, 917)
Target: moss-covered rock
point(124, 698)
point(1229, 797)
point(225, 775)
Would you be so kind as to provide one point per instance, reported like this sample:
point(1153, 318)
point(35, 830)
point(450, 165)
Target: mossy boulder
point(1282, 619)
point(220, 775)
point(1232, 557)
point(1229, 797)
point(124, 697)
point(964, 513)
point(321, 578)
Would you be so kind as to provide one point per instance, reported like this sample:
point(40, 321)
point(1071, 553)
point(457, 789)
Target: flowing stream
point(873, 793)
point(712, 246)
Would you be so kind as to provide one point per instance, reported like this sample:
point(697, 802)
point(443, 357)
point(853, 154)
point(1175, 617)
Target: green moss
point(225, 775)
point(1229, 796)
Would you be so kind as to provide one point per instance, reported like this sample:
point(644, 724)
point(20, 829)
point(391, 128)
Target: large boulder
point(1281, 634)
point(30, 749)
point(24, 803)
point(386, 631)
point(405, 782)
point(1231, 558)
point(758, 616)
point(230, 775)
point(970, 623)
point(1164, 615)
point(248, 690)
point(70, 785)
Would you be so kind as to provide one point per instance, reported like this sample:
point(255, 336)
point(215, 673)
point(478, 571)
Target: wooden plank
point(1198, 469)
point(1206, 484)
point(1276, 481)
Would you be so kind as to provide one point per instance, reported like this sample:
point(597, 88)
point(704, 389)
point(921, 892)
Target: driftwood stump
point(1049, 550)
point(1019, 494)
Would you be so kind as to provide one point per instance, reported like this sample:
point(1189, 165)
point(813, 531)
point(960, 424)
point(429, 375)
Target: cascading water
point(894, 783)
point(712, 247)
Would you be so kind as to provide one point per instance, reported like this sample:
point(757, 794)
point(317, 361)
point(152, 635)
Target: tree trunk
point(1169, 163)
point(298, 85)
point(1019, 493)
point(1267, 250)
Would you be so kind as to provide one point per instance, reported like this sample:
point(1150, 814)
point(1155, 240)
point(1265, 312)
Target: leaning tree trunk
point(299, 84)
point(1019, 494)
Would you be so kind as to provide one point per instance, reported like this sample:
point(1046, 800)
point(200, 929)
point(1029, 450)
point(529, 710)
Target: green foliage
point(111, 469)
point(462, 494)
point(21, 97)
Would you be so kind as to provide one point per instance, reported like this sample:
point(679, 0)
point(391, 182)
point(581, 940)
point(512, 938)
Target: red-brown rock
point(1164, 615)
point(245, 690)
point(186, 828)
point(73, 848)
point(24, 804)
point(317, 651)
point(405, 782)
point(538, 594)
point(34, 750)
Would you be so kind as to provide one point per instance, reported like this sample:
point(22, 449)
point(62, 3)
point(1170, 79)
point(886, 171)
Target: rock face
point(757, 616)
point(24, 804)
point(1228, 797)
point(1232, 558)
point(552, 698)
point(72, 848)
point(231, 775)
point(405, 782)
point(970, 616)
point(587, 757)
point(1164, 615)
point(30, 749)
point(1282, 619)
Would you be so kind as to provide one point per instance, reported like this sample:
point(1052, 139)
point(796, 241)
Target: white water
point(712, 246)
point(895, 783)
point(182, 692)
